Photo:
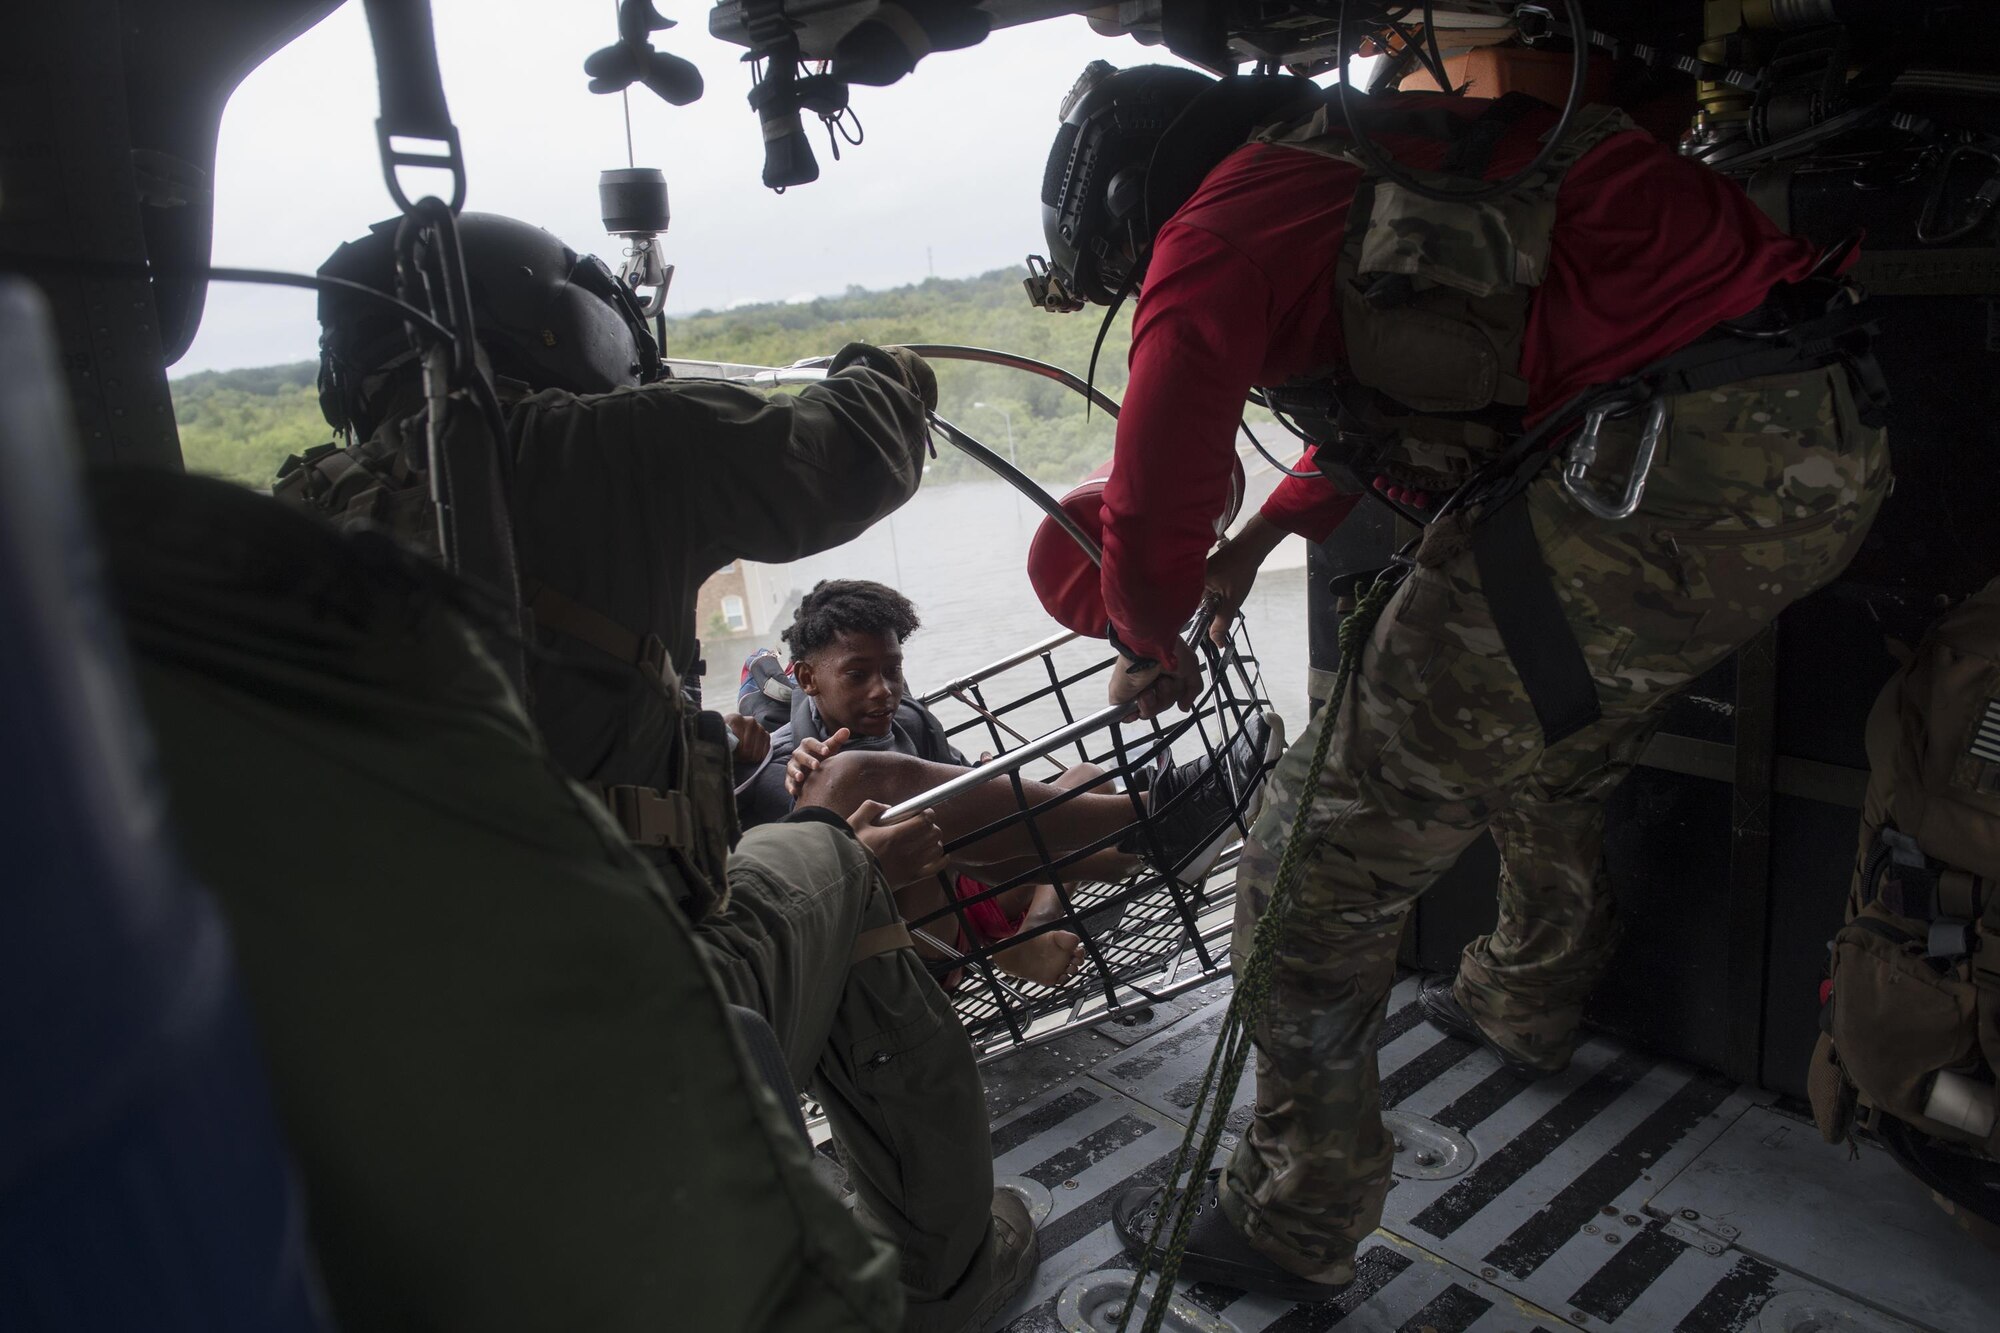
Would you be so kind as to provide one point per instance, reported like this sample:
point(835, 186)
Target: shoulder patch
point(1986, 736)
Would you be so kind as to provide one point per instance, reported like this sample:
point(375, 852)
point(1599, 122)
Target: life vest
point(689, 814)
point(1911, 1017)
point(1434, 297)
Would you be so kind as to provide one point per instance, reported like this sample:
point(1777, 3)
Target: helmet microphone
point(1094, 188)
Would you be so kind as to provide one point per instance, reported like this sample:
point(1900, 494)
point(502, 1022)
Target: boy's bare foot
point(1049, 959)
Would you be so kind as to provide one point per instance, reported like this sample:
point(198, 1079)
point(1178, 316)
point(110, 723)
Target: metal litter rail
point(1011, 762)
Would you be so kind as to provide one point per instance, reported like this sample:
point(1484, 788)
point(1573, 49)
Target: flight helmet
point(543, 315)
point(1094, 211)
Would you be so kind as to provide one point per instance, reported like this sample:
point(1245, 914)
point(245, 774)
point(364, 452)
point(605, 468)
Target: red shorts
point(987, 917)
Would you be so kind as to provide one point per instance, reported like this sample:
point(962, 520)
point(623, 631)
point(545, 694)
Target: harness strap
point(1518, 586)
point(1960, 894)
point(1842, 337)
point(882, 939)
point(1711, 363)
point(1473, 149)
point(565, 615)
point(649, 817)
point(1529, 616)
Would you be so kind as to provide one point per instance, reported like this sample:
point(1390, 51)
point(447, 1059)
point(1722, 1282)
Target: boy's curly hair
point(855, 606)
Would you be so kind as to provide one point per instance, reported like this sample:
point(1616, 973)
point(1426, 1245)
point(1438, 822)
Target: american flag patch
point(1986, 738)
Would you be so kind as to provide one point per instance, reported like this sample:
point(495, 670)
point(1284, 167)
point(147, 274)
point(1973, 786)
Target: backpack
point(1434, 297)
point(1911, 1015)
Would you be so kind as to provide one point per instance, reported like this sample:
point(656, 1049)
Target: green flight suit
point(623, 504)
point(506, 1076)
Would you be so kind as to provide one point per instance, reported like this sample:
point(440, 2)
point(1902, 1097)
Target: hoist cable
point(625, 96)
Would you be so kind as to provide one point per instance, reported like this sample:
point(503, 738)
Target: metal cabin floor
point(1629, 1193)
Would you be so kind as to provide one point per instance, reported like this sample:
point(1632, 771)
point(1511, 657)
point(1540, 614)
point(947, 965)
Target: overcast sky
point(947, 181)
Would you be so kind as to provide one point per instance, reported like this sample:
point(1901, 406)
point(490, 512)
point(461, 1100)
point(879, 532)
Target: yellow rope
point(1252, 992)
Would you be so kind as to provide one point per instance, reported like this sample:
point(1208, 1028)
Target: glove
point(898, 363)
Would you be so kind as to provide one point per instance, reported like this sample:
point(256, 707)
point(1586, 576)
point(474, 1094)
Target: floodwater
point(960, 553)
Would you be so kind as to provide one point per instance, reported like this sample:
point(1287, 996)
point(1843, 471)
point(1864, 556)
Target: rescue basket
point(1146, 936)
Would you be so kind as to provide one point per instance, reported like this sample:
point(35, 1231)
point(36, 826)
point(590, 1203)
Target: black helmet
point(543, 315)
point(1094, 189)
point(1134, 146)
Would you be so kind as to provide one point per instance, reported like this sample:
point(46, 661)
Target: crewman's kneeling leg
point(501, 1067)
point(810, 938)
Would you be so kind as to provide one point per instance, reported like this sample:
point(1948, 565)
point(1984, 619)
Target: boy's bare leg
point(844, 781)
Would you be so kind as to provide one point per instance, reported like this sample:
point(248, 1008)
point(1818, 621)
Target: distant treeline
point(241, 424)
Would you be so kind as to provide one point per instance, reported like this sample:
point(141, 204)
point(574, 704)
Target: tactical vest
point(1911, 1026)
point(1434, 298)
point(689, 817)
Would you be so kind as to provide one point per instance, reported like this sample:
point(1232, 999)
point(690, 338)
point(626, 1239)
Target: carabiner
point(1582, 456)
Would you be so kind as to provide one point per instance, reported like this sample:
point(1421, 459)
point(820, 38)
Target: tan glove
point(898, 363)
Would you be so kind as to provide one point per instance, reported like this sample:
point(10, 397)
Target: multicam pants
point(1763, 492)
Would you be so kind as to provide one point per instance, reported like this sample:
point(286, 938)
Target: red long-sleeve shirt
point(1649, 251)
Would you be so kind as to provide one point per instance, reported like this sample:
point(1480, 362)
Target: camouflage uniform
point(1762, 494)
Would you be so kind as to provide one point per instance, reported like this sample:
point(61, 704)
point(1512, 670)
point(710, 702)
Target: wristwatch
point(1138, 663)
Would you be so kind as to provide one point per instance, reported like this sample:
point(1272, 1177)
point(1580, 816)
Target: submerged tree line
point(241, 424)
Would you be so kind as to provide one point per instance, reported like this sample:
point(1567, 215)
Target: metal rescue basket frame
point(1146, 936)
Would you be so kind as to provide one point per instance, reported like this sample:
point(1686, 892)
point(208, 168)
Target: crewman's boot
point(1216, 1250)
point(1440, 1005)
point(1007, 1269)
point(1016, 1253)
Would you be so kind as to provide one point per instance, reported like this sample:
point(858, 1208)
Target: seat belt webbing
point(553, 610)
point(882, 939)
point(1531, 622)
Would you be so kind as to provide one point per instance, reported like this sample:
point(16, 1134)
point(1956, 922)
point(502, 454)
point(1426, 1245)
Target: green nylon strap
point(1248, 1001)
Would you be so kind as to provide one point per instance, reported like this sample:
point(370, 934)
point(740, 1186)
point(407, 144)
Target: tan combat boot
point(1016, 1252)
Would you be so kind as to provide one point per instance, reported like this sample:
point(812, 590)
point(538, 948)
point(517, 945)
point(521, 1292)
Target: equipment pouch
point(1897, 1020)
point(367, 484)
point(1480, 249)
point(1421, 357)
point(1940, 736)
point(1445, 540)
point(711, 789)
